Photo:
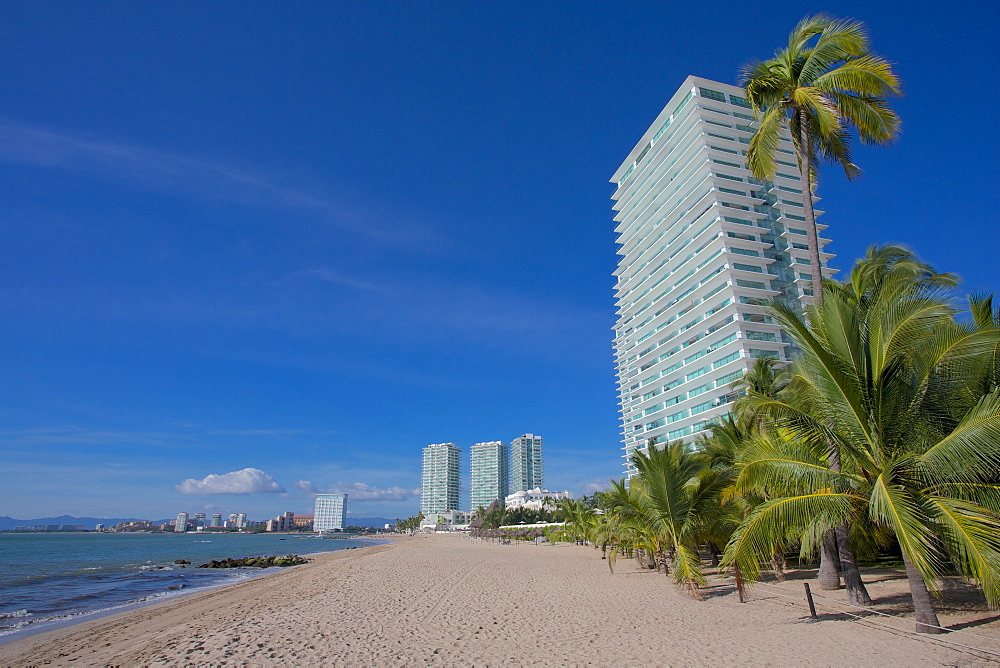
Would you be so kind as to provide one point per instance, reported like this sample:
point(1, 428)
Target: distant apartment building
point(180, 524)
point(283, 522)
point(526, 470)
point(217, 520)
point(490, 473)
point(238, 520)
point(440, 479)
point(199, 520)
point(702, 245)
point(537, 499)
point(330, 512)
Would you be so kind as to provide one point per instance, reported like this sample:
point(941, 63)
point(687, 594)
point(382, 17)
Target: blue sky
point(310, 239)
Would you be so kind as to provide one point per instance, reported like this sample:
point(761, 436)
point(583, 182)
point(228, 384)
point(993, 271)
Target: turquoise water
point(49, 578)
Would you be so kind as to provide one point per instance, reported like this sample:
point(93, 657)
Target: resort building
point(238, 520)
point(440, 479)
point(330, 512)
point(216, 520)
point(181, 523)
point(526, 463)
point(537, 499)
point(490, 473)
point(283, 522)
point(702, 245)
point(199, 520)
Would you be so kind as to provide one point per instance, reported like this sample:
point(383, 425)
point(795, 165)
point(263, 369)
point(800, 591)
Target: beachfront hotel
point(490, 473)
point(526, 463)
point(702, 245)
point(330, 512)
point(440, 479)
point(181, 523)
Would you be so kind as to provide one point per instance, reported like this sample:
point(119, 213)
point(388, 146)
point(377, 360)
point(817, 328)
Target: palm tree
point(895, 385)
point(676, 499)
point(825, 86)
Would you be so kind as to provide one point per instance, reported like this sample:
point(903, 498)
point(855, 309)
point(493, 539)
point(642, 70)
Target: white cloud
point(593, 487)
point(359, 492)
point(246, 481)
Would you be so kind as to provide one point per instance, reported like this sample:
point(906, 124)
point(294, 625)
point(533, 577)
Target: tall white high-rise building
point(703, 244)
point(181, 523)
point(330, 512)
point(490, 473)
point(440, 478)
point(216, 519)
point(526, 463)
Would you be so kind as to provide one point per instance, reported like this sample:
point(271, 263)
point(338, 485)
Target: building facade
point(330, 512)
point(490, 473)
point(537, 499)
point(440, 479)
point(181, 523)
point(283, 522)
point(702, 245)
point(526, 470)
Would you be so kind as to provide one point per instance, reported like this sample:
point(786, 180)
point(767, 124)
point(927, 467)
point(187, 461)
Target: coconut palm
point(677, 498)
point(892, 379)
point(824, 87)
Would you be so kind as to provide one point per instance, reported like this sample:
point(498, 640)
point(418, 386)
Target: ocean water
point(51, 579)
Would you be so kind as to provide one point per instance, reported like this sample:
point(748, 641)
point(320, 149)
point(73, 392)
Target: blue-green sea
point(49, 579)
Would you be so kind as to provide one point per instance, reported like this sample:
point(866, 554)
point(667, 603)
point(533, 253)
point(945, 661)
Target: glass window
point(712, 94)
point(738, 101)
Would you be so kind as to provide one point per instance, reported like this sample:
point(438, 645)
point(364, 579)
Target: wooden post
point(739, 581)
point(809, 598)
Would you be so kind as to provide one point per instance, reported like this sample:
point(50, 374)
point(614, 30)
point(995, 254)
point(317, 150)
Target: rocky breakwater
point(257, 562)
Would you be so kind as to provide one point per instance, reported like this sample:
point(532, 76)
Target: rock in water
point(257, 562)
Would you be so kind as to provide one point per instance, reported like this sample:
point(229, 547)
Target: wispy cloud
point(245, 481)
point(359, 492)
point(120, 162)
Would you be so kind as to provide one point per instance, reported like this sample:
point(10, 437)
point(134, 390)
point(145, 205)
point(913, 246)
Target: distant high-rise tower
point(330, 512)
point(490, 473)
point(526, 463)
point(181, 523)
point(702, 245)
point(199, 519)
point(216, 519)
point(440, 478)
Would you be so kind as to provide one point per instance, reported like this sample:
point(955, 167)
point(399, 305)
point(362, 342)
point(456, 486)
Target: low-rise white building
point(536, 499)
point(448, 519)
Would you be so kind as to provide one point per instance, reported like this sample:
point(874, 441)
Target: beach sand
point(450, 600)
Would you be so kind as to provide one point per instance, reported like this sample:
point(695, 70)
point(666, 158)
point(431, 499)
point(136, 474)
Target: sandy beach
point(450, 600)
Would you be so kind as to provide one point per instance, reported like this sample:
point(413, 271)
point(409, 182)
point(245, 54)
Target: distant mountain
point(7, 523)
point(376, 522)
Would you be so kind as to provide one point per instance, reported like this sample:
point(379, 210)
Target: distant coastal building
point(702, 245)
point(490, 473)
point(238, 520)
point(448, 520)
point(537, 499)
point(181, 523)
point(330, 512)
point(217, 519)
point(199, 520)
point(526, 463)
point(283, 522)
point(440, 479)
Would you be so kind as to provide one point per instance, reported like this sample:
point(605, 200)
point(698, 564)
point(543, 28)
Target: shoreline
point(451, 600)
point(238, 577)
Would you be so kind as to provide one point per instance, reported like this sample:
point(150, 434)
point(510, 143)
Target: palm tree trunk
point(812, 234)
point(778, 565)
point(856, 592)
point(829, 574)
point(923, 606)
